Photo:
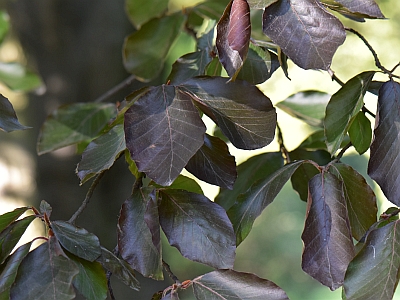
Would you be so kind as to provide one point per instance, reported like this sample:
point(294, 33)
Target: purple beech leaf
point(252, 202)
point(213, 163)
point(139, 233)
point(328, 244)
point(343, 107)
point(233, 285)
point(45, 208)
point(360, 199)
point(358, 8)
point(233, 36)
point(163, 130)
point(244, 114)
point(197, 227)
point(384, 162)
point(8, 118)
point(45, 273)
point(373, 273)
point(290, 23)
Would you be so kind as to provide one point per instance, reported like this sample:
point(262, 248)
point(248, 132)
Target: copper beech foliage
point(159, 130)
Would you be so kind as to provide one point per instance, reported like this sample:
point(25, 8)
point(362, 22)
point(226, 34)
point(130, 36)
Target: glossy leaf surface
point(244, 114)
point(74, 123)
point(8, 118)
point(232, 285)
point(197, 227)
point(328, 245)
point(163, 130)
point(384, 166)
point(213, 163)
point(360, 133)
point(290, 23)
point(139, 12)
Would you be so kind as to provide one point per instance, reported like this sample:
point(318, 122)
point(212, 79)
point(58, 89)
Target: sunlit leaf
point(77, 240)
point(74, 123)
point(145, 51)
point(18, 78)
point(373, 273)
point(213, 163)
point(252, 202)
point(8, 118)
point(197, 227)
point(211, 9)
point(260, 4)
point(328, 245)
point(233, 285)
point(343, 107)
point(384, 166)
point(139, 12)
point(136, 243)
point(163, 130)
point(300, 28)
point(9, 217)
point(360, 133)
point(244, 114)
point(183, 183)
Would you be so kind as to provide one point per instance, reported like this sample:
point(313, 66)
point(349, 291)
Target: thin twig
point(282, 147)
point(127, 82)
point(335, 78)
point(109, 274)
point(172, 275)
point(87, 198)
point(366, 110)
point(341, 153)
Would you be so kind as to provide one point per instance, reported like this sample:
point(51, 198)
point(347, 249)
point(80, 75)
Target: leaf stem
point(126, 82)
point(366, 110)
point(109, 274)
point(138, 183)
point(341, 153)
point(284, 151)
point(87, 198)
point(172, 275)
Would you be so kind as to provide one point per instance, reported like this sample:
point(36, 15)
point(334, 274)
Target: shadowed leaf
point(9, 217)
point(182, 183)
point(197, 227)
point(163, 130)
point(211, 9)
point(328, 245)
point(8, 118)
point(232, 285)
point(290, 23)
point(355, 9)
point(360, 133)
point(139, 12)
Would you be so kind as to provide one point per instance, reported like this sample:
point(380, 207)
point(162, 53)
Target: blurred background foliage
point(75, 47)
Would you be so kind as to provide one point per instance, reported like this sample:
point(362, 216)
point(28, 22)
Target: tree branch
point(282, 147)
point(172, 275)
point(127, 82)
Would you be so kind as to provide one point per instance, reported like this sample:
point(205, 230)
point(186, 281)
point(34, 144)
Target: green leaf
point(232, 285)
point(257, 4)
point(373, 273)
point(4, 25)
point(255, 168)
point(91, 281)
point(244, 114)
point(182, 183)
point(77, 240)
point(131, 164)
point(45, 273)
point(214, 68)
point(8, 118)
point(136, 243)
point(18, 78)
point(290, 23)
point(119, 268)
point(343, 107)
point(197, 227)
point(101, 153)
point(140, 11)
point(213, 163)
point(251, 203)
point(316, 141)
point(9, 217)
point(163, 130)
point(74, 123)
point(360, 199)
point(328, 244)
point(360, 133)
point(145, 51)
point(10, 236)
point(308, 106)
point(383, 164)
point(211, 9)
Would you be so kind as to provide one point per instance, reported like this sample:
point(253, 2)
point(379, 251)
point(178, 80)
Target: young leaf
point(139, 11)
point(383, 164)
point(45, 208)
point(290, 23)
point(8, 118)
point(360, 199)
point(198, 228)
point(73, 123)
point(360, 133)
point(373, 273)
point(118, 268)
point(213, 163)
point(18, 78)
point(244, 114)
point(137, 244)
point(163, 130)
point(76, 240)
point(233, 36)
point(232, 285)
point(251, 203)
point(45, 273)
point(343, 107)
point(328, 245)
point(9, 217)
point(308, 106)
point(145, 51)
point(101, 153)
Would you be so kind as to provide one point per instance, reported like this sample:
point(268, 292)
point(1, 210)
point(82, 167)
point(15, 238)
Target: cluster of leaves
point(159, 131)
